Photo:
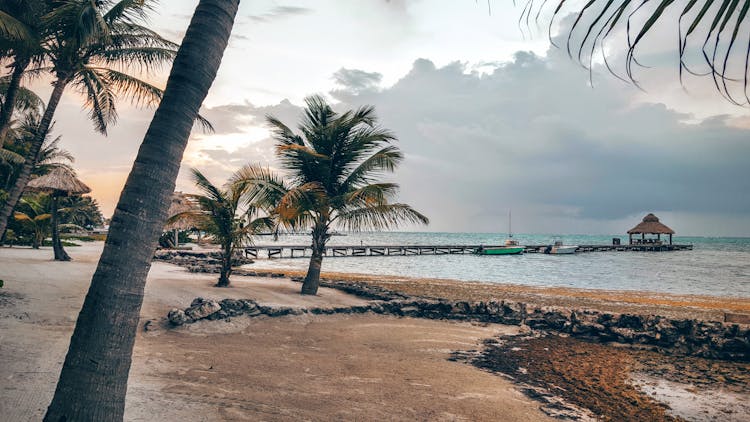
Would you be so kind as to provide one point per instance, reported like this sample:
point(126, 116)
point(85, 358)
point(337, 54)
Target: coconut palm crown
point(334, 167)
point(221, 214)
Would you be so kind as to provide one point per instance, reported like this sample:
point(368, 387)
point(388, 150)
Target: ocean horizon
point(717, 266)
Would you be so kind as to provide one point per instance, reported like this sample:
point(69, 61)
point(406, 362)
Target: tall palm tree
point(93, 381)
point(90, 45)
point(334, 167)
point(711, 32)
point(221, 215)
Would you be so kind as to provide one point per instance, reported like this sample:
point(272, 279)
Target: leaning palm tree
point(710, 32)
point(94, 377)
point(334, 166)
point(91, 46)
point(222, 216)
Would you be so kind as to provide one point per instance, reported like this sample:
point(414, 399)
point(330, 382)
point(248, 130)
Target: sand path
point(343, 367)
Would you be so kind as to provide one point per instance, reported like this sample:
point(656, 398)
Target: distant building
point(650, 226)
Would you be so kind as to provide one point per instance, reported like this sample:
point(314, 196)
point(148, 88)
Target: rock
point(177, 317)
point(203, 309)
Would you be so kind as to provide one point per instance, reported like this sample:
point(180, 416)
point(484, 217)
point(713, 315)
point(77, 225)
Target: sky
point(491, 117)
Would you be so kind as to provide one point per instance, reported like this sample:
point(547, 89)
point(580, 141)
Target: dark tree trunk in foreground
point(57, 247)
point(226, 266)
point(312, 279)
point(25, 175)
point(9, 104)
point(93, 381)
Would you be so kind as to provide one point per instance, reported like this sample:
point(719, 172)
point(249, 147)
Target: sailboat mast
point(510, 230)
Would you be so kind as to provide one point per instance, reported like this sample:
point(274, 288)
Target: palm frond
point(385, 160)
point(100, 98)
point(380, 217)
point(263, 187)
point(210, 191)
point(13, 29)
point(9, 156)
point(141, 93)
point(369, 195)
point(708, 29)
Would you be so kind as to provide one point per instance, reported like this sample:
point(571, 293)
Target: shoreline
point(705, 307)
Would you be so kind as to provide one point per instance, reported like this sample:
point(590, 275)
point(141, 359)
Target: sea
point(717, 266)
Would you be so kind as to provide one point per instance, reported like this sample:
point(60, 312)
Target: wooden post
point(670, 238)
point(630, 238)
point(176, 238)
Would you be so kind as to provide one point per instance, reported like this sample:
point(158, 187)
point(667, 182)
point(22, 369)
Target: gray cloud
point(356, 81)
point(280, 12)
point(533, 136)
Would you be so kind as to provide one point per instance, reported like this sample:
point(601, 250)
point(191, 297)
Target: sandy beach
point(364, 367)
point(341, 367)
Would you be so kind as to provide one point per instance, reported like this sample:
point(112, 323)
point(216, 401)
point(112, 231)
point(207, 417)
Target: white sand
point(364, 367)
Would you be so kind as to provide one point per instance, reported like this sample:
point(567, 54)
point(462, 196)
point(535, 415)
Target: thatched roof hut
point(181, 203)
point(651, 225)
point(60, 181)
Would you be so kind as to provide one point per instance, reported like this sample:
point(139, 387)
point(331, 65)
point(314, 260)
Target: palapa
point(181, 204)
point(58, 182)
point(650, 225)
point(61, 181)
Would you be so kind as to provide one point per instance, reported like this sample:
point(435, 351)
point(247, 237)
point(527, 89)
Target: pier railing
point(302, 251)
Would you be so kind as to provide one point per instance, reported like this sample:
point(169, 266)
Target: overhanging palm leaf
point(380, 217)
point(707, 28)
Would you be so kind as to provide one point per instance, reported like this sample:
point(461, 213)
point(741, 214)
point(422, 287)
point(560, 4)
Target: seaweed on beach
point(591, 376)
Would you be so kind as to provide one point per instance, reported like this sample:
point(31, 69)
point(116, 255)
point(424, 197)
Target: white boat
point(559, 249)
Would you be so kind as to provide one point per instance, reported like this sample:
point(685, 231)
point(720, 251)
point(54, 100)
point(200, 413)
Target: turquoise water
point(716, 266)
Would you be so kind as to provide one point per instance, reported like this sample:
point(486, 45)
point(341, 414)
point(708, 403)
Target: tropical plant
point(94, 377)
point(51, 156)
point(82, 211)
point(91, 46)
point(222, 216)
point(34, 213)
point(335, 165)
point(711, 32)
point(22, 31)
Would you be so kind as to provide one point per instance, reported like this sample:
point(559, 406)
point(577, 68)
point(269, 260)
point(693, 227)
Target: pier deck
point(302, 251)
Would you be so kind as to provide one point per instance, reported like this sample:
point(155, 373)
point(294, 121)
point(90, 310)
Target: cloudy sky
point(489, 115)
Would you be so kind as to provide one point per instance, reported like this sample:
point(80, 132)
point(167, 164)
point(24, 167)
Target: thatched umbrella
point(650, 225)
point(58, 182)
point(181, 207)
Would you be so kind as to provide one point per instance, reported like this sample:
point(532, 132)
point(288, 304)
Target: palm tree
point(34, 212)
point(334, 166)
point(94, 377)
point(220, 216)
point(22, 32)
point(82, 211)
point(90, 45)
point(711, 32)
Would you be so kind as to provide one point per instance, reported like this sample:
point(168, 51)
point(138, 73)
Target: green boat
point(500, 250)
point(511, 246)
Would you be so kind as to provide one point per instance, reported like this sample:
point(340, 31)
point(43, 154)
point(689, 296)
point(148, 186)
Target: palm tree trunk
point(9, 105)
point(25, 175)
point(226, 266)
point(93, 381)
point(57, 247)
point(312, 279)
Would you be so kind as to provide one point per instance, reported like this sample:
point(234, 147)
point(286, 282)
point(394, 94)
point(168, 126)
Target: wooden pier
point(300, 251)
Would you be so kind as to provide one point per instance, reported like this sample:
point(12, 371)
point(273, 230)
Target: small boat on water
point(511, 246)
point(559, 249)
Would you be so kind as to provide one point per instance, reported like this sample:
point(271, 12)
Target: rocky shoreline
point(681, 337)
